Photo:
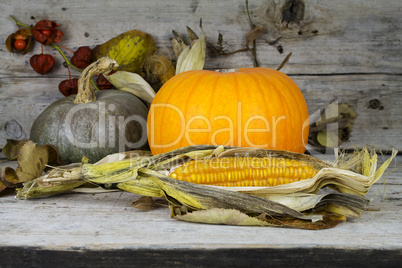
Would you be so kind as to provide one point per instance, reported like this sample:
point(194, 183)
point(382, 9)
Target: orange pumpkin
point(250, 107)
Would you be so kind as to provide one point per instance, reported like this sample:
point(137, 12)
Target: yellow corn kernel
point(244, 171)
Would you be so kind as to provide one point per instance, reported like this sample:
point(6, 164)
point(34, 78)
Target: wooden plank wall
point(347, 51)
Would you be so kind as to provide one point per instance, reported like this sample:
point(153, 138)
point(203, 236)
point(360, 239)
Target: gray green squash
point(93, 124)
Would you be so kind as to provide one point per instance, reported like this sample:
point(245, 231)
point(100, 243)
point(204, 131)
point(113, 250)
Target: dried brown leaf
point(178, 45)
point(11, 149)
point(148, 203)
point(2, 186)
point(143, 203)
point(32, 160)
point(284, 61)
point(253, 35)
point(329, 220)
point(192, 35)
point(8, 177)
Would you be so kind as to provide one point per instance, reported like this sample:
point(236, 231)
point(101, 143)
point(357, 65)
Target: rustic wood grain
point(236, 257)
point(350, 52)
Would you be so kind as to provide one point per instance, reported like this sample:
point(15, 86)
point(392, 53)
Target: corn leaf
point(192, 59)
point(288, 205)
point(132, 83)
point(346, 181)
point(380, 171)
point(353, 205)
point(180, 60)
point(178, 44)
point(68, 177)
point(32, 189)
point(222, 216)
point(197, 196)
point(235, 217)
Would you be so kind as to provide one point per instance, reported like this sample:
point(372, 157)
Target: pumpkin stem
point(86, 93)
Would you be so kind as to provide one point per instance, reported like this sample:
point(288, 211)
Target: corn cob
point(244, 171)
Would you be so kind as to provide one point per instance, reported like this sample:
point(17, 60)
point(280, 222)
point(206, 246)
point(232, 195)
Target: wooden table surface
point(104, 229)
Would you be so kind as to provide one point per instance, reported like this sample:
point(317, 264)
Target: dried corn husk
point(192, 58)
point(343, 180)
point(133, 83)
point(66, 178)
point(178, 44)
point(284, 205)
point(235, 217)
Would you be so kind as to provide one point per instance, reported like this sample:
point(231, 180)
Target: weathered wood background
point(347, 51)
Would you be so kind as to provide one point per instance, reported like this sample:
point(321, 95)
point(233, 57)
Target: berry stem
point(72, 51)
point(19, 23)
point(69, 63)
point(64, 57)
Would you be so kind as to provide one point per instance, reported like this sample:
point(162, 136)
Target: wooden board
point(101, 229)
point(348, 52)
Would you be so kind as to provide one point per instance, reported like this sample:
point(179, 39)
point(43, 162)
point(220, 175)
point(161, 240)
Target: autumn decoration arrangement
point(222, 147)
